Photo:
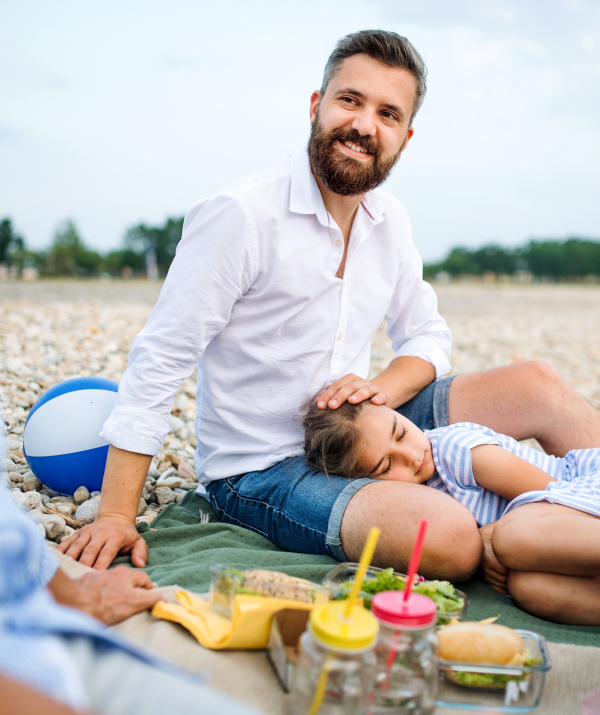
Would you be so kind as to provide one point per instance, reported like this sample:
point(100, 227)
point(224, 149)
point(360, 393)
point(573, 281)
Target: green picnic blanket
point(181, 549)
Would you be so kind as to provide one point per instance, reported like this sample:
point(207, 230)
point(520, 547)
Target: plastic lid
point(417, 612)
point(357, 633)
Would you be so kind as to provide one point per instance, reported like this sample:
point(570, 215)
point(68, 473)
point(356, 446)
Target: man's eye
point(349, 100)
point(388, 115)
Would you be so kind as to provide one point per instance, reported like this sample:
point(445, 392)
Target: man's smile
point(354, 150)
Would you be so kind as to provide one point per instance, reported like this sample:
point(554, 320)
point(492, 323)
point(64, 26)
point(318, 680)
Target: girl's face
point(393, 447)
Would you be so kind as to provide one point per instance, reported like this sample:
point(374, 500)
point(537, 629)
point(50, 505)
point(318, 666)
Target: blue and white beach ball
point(61, 440)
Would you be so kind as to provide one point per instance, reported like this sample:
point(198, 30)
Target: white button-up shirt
point(253, 299)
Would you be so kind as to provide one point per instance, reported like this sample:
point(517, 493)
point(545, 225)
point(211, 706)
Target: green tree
point(9, 240)
point(163, 239)
point(68, 256)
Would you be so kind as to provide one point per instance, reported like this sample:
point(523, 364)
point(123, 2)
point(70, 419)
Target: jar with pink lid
point(406, 652)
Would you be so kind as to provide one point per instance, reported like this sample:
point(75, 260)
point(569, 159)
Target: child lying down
point(539, 515)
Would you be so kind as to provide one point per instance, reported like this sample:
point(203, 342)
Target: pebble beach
point(51, 331)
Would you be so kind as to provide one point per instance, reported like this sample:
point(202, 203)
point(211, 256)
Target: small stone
point(148, 518)
point(29, 500)
point(173, 458)
point(153, 473)
point(52, 523)
point(12, 445)
point(66, 533)
point(50, 492)
point(63, 498)
point(175, 424)
point(186, 472)
point(171, 482)
point(31, 484)
point(152, 499)
point(146, 494)
point(164, 495)
point(95, 495)
point(63, 508)
point(149, 485)
point(45, 499)
point(7, 465)
point(189, 485)
point(88, 511)
point(142, 506)
point(27, 473)
point(170, 472)
point(163, 466)
point(81, 495)
point(16, 477)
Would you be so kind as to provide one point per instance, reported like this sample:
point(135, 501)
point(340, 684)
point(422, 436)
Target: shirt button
point(338, 242)
point(340, 336)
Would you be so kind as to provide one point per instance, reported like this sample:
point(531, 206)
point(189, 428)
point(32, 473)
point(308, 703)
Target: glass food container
point(339, 579)
point(335, 670)
point(501, 688)
point(406, 677)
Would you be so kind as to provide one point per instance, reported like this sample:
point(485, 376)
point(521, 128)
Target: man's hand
point(492, 570)
point(98, 543)
point(353, 389)
point(111, 596)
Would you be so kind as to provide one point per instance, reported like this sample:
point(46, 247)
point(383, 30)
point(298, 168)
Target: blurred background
point(116, 116)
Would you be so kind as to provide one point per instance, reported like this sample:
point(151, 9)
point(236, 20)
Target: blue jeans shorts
point(300, 509)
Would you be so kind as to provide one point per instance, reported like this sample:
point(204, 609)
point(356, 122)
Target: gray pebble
point(66, 533)
point(50, 492)
point(12, 445)
point(142, 506)
point(146, 494)
point(7, 465)
point(186, 472)
point(88, 511)
point(81, 495)
point(170, 472)
point(95, 494)
point(16, 477)
point(171, 482)
point(153, 473)
point(45, 499)
point(52, 523)
point(189, 485)
point(164, 495)
point(29, 500)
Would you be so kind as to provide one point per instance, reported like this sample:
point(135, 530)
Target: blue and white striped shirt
point(577, 474)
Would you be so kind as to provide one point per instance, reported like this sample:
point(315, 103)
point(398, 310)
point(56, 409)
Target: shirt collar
point(305, 197)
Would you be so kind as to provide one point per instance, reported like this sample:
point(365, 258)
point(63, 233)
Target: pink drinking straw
point(412, 571)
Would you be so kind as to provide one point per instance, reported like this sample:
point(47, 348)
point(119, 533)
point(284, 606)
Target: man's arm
point(114, 530)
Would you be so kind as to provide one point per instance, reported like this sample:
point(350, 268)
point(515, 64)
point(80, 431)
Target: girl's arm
point(504, 473)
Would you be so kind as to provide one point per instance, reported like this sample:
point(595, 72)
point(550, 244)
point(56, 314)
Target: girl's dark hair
point(332, 440)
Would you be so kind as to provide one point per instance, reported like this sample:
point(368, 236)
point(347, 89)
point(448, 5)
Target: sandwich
point(483, 644)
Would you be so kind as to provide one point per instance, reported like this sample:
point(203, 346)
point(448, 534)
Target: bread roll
point(470, 642)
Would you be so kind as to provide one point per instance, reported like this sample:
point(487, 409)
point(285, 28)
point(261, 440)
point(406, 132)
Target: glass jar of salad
point(335, 670)
point(407, 678)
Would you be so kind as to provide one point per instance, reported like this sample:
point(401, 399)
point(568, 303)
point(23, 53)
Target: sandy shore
point(54, 330)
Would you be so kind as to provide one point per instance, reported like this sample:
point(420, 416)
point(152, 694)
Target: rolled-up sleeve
point(415, 326)
point(214, 266)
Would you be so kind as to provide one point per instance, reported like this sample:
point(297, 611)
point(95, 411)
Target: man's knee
point(539, 377)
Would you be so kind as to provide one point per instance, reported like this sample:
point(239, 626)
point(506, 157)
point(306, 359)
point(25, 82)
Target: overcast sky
point(122, 111)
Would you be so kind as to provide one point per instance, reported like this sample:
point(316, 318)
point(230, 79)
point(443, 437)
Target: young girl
point(539, 514)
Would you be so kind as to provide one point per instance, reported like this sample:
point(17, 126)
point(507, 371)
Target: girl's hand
point(492, 570)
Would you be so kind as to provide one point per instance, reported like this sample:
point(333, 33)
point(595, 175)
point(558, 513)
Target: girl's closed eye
point(389, 466)
point(404, 431)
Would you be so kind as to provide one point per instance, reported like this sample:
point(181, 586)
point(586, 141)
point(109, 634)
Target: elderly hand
point(110, 596)
point(353, 389)
point(492, 570)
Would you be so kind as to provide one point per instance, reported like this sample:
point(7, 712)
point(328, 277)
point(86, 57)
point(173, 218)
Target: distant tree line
point(562, 260)
point(68, 255)
point(147, 249)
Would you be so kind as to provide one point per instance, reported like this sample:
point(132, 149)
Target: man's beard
point(340, 173)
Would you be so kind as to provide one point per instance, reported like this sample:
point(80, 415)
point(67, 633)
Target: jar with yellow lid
point(335, 670)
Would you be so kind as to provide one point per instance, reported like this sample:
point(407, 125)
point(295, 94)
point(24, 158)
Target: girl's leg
point(563, 599)
point(550, 538)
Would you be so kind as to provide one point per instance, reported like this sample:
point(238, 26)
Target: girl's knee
point(534, 593)
point(513, 539)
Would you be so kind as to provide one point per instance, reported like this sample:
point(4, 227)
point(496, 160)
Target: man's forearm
point(124, 479)
point(404, 378)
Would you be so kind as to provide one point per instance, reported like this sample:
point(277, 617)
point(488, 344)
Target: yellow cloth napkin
point(248, 629)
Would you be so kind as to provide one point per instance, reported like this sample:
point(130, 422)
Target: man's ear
point(409, 134)
point(315, 98)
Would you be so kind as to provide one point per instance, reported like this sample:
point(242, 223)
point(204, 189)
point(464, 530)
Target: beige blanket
point(249, 677)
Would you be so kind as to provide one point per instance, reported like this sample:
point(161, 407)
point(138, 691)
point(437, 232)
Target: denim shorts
point(300, 509)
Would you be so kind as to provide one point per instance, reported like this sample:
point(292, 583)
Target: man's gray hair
point(389, 48)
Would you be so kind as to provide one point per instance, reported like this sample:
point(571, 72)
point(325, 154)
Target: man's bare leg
point(452, 547)
point(529, 399)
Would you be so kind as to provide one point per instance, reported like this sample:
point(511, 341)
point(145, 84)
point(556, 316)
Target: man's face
point(360, 125)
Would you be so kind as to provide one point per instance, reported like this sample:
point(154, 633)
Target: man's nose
point(365, 122)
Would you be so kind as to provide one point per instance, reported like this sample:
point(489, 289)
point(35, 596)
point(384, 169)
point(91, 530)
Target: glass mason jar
point(335, 670)
point(406, 679)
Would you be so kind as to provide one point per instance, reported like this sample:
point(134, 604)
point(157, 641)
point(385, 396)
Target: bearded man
point(279, 283)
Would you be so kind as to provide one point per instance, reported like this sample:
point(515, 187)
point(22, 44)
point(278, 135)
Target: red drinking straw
point(414, 559)
point(412, 572)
